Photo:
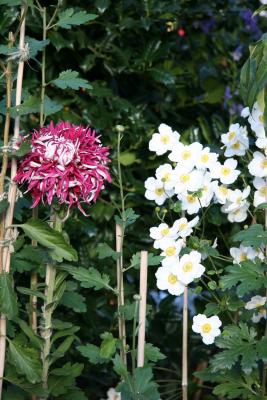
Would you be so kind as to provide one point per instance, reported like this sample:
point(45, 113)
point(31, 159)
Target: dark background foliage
point(149, 62)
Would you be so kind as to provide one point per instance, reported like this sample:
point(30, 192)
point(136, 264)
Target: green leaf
point(8, 298)
point(108, 345)
point(128, 217)
point(58, 248)
point(246, 278)
point(255, 236)
point(238, 344)
point(51, 106)
point(162, 76)
point(102, 5)
point(91, 352)
point(69, 17)
point(23, 149)
point(30, 105)
point(152, 260)
point(35, 45)
point(105, 251)
point(30, 292)
point(69, 79)
point(89, 278)
point(65, 332)
point(141, 383)
point(34, 339)
point(153, 353)
point(26, 361)
point(62, 348)
point(74, 301)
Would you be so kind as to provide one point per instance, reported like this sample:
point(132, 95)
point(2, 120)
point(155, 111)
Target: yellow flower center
point(258, 305)
point(190, 198)
point(236, 145)
point(225, 171)
point(165, 231)
point(172, 279)
point(262, 191)
point(159, 191)
point(165, 139)
point(261, 118)
point(184, 178)
point(186, 154)
point(264, 163)
point(223, 190)
point(183, 226)
point(231, 135)
point(206, 328)
point(170, 251)
point(187, 267)
point(166, 177)
point(243, 257)
point(239, 200)
point(205, 158)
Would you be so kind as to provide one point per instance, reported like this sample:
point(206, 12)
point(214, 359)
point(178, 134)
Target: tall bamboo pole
point(142, 309)
point(12, 192)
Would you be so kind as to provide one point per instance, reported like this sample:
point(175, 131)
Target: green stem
point(48, 309)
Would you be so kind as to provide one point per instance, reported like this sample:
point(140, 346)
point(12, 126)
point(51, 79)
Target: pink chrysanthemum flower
point(66, 162)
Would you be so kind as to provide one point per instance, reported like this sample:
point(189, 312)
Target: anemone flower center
point(206, 328)
point(172, 279)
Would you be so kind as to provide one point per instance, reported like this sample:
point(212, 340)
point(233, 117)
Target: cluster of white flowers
point(196, 177)
point(113, 395)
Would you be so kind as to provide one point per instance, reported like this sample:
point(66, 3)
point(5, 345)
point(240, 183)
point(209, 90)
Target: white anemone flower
point(206, 159)
point(260, 195)
point(165, 174)
point(164, 140)
point(238, 148)
point(168, 280)
point(256, 121)
point(186, 155)
point(226, 172)
point(158, 233)
point(258, 165)
point(243, 253)
point(207, 327)
point(189, 267)
point(221, 192)
point(207, 191)
point(170, 250)
point(261, 143)
point(155, 191)
point(187, 181)
point(190, 203)
point(255, 302)
point(260, 314)
point(185, 227)
point(232, 135)
point(238, 215)
point(236, 199)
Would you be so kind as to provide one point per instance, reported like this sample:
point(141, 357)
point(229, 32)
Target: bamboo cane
point(142, 309)
point(120, 287)
point(11, 195)
point(185, 346)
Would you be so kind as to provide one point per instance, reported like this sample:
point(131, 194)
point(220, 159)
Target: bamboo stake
point(142, 309)
point(185, 345)
point(120, 288)
point(12, 193)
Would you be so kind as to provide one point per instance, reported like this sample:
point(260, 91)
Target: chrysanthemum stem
point(264, 373)
point(48, 308)
point(42, 116)
point(11, 194)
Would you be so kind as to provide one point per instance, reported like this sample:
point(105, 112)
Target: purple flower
point(237, 53)
point(251, 23)
point(207, 25)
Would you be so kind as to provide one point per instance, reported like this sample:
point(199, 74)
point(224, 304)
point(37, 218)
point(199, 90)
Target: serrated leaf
point(153, 353)
point(51, 106)
point(91, 352)
point(26, 360)
point(62, 348)
point(54, 241)
point(105, 251)
point(34, 339)
point(255, 236)
point(30, 105)
point(69, 79)
point(8, 298)
point(69, 17)
point(74, 301)
point(246, 278)
point(142, 384)
point(89, 278)
point(108, 345)
point(35, 45)
point(30, 292)
point(128, 217)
